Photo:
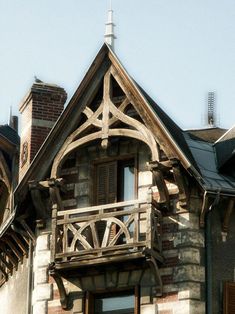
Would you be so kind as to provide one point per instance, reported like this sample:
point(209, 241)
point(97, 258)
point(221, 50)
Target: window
point(126, 302)
point(115, 181)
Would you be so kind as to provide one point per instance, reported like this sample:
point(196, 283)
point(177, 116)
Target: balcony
point(106, 234)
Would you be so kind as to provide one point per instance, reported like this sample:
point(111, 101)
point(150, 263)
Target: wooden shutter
point(106, 183)
point(106, 192)
point(229, 298)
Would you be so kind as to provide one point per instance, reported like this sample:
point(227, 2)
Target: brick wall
point(40, 109)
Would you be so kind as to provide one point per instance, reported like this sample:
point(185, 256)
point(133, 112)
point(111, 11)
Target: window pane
point(128, 183)
point(112, 305)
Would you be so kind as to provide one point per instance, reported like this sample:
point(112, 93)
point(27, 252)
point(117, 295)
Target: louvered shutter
point(229, 298)
point(106, 191)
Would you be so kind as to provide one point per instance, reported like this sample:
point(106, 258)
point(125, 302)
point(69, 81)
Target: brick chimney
point(40, 109)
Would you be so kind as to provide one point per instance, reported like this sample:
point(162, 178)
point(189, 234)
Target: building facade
point(108, 206)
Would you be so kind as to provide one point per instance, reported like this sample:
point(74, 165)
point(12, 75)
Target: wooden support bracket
point(180, 181)
point(158, 179)
point(154, 267)
point(64, 300)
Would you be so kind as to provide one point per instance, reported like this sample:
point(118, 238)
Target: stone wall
point(13, 294)
point(183, 269)
point(222, 255)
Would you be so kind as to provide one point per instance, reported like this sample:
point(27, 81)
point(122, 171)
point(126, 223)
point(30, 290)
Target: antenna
point(109, 28)
point(211, 109)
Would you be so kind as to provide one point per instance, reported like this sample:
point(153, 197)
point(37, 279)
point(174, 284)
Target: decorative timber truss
point(105, 119)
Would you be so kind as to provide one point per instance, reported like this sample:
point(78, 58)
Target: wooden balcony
point(106, 234)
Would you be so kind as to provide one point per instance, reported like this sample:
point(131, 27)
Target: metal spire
point(10, 120)
point(109, 28)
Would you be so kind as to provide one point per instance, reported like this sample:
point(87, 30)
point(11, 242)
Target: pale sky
point(177, 50)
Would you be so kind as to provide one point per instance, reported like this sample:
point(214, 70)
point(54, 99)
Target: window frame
point(118, 159)
point(90, 298)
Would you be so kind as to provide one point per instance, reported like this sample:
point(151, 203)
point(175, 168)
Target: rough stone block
point(77, 306)
point(83, 172)
point(81, 188)
point(189, 273)
point(189, 238)
point(41, 276)
point(145, 178)
point(40, 307)
point(42, 292)
point(43, 242)
point(189, 290)
point(189, 307)
point(42, 259)
point(188, 221)
point(148, 309)
point(189, 256)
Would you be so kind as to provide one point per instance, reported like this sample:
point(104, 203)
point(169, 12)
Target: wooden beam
point(13, 247)
point(20, 243)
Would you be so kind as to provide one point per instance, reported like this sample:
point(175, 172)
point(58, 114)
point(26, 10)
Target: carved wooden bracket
point(154, 267)
point(180, 181)
point(41, 211)
point(64, 300)
point(158, 179)
point(35, 189)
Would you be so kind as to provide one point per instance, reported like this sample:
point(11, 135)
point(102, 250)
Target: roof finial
point(109, 28)
point(10, 117)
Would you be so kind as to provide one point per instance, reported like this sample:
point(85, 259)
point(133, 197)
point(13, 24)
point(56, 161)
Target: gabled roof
point(162, 122)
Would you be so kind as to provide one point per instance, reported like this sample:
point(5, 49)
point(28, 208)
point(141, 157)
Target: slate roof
point(10, 134)
point(204, 154)
point(210, 135)
point(225, 147)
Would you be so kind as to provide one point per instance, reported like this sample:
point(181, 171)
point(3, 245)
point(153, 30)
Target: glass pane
point(117, 304)
point(128, 183)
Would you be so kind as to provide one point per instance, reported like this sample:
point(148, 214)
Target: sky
point(177, 50)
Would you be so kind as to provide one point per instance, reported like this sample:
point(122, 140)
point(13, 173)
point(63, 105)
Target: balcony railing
point(106, 233)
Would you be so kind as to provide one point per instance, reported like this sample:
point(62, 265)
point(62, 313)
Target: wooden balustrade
point(106, 233)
